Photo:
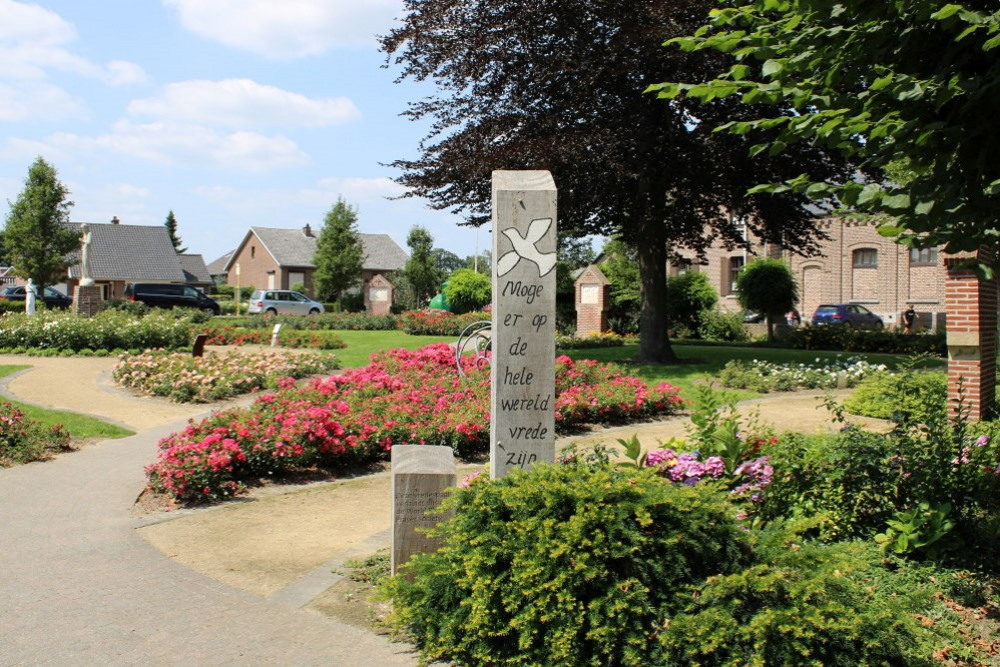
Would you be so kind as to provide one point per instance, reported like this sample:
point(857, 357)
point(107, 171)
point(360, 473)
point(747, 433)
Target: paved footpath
point(79, 586)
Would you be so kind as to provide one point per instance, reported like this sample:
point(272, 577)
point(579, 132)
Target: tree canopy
point(421, 269)
point(171, 224)
point(36, 235)
point(899, 87)
point(767, 286)
point(339, 254)
point(560, 86)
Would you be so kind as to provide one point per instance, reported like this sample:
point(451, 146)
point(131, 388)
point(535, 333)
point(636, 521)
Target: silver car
point(283, 302)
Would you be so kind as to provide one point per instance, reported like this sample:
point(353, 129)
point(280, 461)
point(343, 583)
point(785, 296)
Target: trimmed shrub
point(227, 291)
point(564, 565)
point(467, 290)
point(847, 339)
point(608, 339)
point(720, 326)
point(13, 306)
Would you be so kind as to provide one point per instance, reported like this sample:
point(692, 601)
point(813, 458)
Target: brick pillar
point(971, 305)
point(87, 300)
point(378, 295)
point(593, 299)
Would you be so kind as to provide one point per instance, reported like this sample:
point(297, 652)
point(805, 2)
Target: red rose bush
point(401, 397)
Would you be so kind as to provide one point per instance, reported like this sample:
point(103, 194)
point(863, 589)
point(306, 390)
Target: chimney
point(307, 230)
point(115, 220)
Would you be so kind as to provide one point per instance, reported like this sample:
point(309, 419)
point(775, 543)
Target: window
point(735, 266)
point(866, 258)
point(253, 251)
point(923, 256)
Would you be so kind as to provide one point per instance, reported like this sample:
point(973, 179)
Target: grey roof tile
point(129, 252)
point(291, 247)
point(194, 269)
point(218, 267)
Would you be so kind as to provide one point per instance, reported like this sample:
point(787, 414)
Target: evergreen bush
point(467, 290)
point(565, 565)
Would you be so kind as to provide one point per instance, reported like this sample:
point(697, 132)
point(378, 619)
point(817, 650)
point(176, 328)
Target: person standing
point(909, 317)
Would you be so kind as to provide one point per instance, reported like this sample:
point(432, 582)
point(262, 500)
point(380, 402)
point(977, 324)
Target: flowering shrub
point(765, 376)
point(23, 439)
point(231, 335)
point(188, 379)
point(403, 396)
point(605, 339)
point(438, 322)
point(108, 330)
point(323, 321)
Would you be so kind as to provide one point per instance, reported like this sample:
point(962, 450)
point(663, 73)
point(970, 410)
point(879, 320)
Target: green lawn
point(703, 362)
point(362, 344)
point(79, 426)
point(699, 362)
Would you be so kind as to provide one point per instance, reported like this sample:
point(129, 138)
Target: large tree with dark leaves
point(559, 85)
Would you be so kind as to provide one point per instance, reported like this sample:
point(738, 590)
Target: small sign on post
point(522, 427)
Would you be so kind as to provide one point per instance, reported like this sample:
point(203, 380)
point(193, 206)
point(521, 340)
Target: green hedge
point(847, 339)
point(439, 322)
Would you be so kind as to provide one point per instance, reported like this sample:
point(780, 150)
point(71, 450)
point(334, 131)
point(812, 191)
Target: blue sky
point(231, 113)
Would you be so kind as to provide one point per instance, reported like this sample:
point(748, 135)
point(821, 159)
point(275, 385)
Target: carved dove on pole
point(526, 248)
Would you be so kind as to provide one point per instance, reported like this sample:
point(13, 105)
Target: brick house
point(277, 258)
point(121, 254)
point(856, 265)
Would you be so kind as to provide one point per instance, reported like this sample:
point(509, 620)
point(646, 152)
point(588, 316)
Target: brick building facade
point(856, 265)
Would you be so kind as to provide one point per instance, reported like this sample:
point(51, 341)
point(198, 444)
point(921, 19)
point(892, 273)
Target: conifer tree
point(339, 254)
point(171, 225)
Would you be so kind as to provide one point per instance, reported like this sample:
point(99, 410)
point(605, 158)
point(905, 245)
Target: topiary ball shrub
point(564, 565)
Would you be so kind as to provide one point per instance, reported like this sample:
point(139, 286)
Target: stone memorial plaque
point(421, 475)
point(522, 427)
point(590, 294)
point(378, 294)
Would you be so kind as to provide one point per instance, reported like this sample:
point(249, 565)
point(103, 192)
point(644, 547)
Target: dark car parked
point(848, 314)
point(53, 297)
point(164, 295)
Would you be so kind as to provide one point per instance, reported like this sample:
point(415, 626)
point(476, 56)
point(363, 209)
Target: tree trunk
point(770, 327)
point(654, 343)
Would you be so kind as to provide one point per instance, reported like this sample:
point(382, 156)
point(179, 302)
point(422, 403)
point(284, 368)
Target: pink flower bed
point(411, 397)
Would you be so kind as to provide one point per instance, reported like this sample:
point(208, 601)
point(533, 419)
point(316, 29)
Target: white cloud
point(242, 103)
point(34, 41)
point(167, 143)
point(287, 29)
point(38, 100)
point(357, 189)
